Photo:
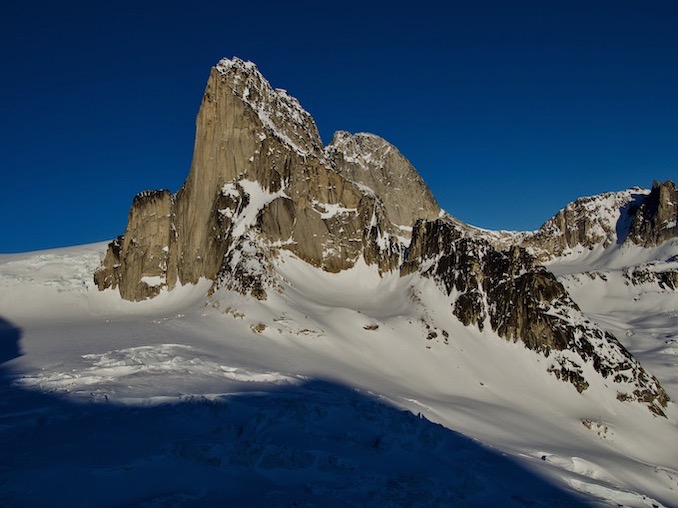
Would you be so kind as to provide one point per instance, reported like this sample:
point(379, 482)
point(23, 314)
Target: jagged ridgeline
point(632, 217)
point(261, 181)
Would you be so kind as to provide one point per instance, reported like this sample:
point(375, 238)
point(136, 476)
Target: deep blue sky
point(507, 112)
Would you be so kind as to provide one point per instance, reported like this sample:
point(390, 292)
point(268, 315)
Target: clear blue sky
point(507, 112)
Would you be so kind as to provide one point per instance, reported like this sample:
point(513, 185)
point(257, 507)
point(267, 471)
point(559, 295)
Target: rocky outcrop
point(666, 278)
point(506, 292)
point(259, 181)
point(635, 216)
point(373, 162)
point(136, 263)
point(655, 220)
point(587, 222)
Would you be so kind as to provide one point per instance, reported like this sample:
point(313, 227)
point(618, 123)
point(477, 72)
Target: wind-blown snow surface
point(342, 390)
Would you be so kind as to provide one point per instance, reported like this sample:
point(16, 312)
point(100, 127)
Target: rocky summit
point(261, 182)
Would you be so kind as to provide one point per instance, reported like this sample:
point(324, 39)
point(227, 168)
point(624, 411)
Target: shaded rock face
point(655, 220)
point(500, 289)
point(507, 292)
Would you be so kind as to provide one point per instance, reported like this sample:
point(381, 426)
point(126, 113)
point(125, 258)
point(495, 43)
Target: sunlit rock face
point(631, 217)
point(373, 162)
point(261, 181)
point(136, 263)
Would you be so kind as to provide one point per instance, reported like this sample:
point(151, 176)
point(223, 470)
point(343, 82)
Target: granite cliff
point(655, 218)
point(260, 180)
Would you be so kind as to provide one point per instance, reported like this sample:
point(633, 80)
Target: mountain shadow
point(313, 444)
point(10, 337)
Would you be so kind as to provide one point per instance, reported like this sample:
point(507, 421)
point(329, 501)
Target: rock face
point(590, 221)
point(261, 181)
point(373, 162)
point(136, 263)
point(635, 216)
point(506, 292)
point(655, 220)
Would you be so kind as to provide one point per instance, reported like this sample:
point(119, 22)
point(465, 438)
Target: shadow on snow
point(313, 444)
point(9, 341)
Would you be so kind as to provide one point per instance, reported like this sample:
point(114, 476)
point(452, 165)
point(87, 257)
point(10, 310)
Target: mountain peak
point(345, 137)
point(226, 65)
point(371, 161)
point(281, 114)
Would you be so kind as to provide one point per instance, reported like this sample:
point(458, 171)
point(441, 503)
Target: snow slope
point(621, 289)
point(345, 389)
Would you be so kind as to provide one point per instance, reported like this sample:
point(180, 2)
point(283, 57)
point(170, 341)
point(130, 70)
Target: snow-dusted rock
point(521, 301)
point(587, 222)
point(656, 217)
point(634, 216)
point(261, 182)
point(372, 161)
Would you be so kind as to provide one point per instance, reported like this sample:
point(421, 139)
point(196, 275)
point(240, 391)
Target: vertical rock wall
point(137, 262)
point(656, 219)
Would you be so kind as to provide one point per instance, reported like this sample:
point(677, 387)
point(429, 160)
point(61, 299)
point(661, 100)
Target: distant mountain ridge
point(635, 216)
point(261, 183)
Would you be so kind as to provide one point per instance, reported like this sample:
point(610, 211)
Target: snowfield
point(345, 389)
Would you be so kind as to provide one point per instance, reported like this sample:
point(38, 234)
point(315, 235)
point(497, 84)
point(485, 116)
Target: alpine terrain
point(302, 325)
